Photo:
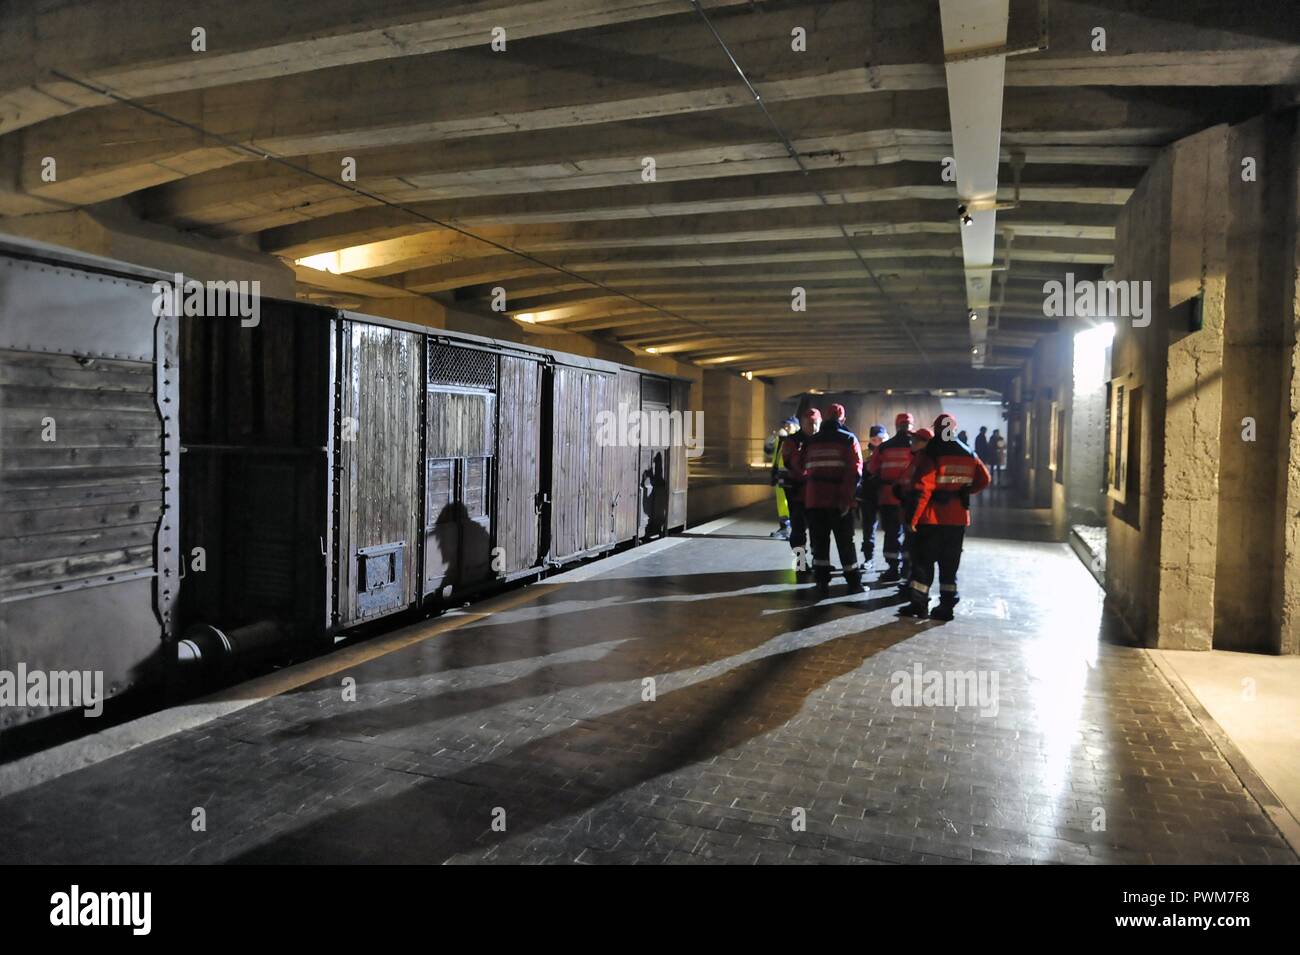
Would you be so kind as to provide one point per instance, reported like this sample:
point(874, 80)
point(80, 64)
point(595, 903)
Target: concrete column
point(1209, 554)
point(1255, 369)
point(1138, 362)
point(1085, 448)
point(1194, 391)
point(738, 415)
point(1282, 166)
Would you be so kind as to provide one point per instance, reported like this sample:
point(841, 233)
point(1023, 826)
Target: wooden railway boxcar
point(399, 466)
point(89, 444)
point(223, 490)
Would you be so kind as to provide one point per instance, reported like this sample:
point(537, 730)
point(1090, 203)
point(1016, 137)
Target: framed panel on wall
point(1056, 445)
point(1117, 442)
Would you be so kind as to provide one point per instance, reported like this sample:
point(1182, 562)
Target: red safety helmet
point(903, 418)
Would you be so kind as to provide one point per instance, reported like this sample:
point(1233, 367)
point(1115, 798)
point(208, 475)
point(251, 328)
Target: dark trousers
point(798, 525)
point(822, 523)
point(937, 544)
point(868, 509)
point(905, 512)
point(898, 539)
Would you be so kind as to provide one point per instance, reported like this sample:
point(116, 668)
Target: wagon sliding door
point(677, 467)
point(518, 510)
point(377, 430)
point(655, 458)
point(459, 440)
point(627, 507)
point(584, 481)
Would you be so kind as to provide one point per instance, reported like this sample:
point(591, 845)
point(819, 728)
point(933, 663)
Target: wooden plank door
point(677, 461)
point(379, 447)
point(518, 506)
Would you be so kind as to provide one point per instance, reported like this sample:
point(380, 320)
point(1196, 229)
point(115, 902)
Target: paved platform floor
point(1255, 700)
point(776, 733)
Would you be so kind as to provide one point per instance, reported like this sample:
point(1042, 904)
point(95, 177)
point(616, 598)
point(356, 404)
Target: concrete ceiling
point(540, 148)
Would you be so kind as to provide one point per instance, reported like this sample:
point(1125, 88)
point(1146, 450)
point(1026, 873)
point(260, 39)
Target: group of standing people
point(992, 450)
point(916, 485)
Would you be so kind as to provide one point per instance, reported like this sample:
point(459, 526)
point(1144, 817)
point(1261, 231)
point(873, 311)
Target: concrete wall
point(971, 414)
point(1255, 364)
point(711, 498)
point(1206, 556)
point(1133, 528)
point(1085, 453)
point(738, 416)
point(1046, 380)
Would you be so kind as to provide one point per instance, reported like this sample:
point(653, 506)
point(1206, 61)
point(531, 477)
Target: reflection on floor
point(695, 705)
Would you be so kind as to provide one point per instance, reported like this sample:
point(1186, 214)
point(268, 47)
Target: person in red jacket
point(905, 491)
point(831, 464)
point(885, 468)
point(947, 474)
point(869, 496)
point(792, 479)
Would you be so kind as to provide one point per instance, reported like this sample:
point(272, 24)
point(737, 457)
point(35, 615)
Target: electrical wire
point(821, 196)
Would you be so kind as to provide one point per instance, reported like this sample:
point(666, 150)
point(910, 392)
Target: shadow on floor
point(639, 627)
point(543, 781)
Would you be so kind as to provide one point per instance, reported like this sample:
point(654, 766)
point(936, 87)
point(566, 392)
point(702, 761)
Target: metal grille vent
point(655, 389)
point(467, 367)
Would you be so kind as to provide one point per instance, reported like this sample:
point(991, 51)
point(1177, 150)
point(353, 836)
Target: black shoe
point(942, 612)
point(891, 575)
point(913, 608)
point(855, 586)
point(821, 589)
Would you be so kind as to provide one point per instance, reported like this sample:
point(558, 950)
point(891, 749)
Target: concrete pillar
point(1138, 364)
point(1085, 443)
point(738, 415)
point(1282, 167)
point(1209, 553)
point(1255, 367)
point(1194, 391)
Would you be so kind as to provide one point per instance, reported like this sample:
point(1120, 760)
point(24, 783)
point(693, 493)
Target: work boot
point(944, 610)
point(915, 607)
point(821, 584)
point(854, 581)
point(891, 575)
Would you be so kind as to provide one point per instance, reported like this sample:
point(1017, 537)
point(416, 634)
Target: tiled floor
point(775, 734)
